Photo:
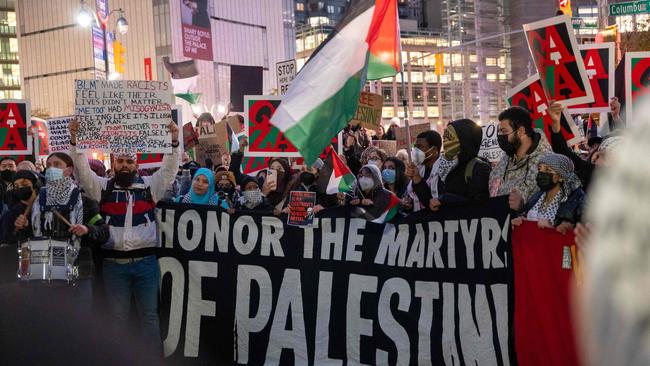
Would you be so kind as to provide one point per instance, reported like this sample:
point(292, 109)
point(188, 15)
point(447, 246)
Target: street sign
point(589, 23)
point(286, 71)
point(629, 8)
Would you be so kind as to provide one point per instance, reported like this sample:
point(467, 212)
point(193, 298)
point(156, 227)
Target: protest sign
point(301, 208)
point(389, 146)
point(59, 134)
point(553, 45)
point(41, 139)
point(252, 165)
point(435, 289)
point(15, 139)
point(154, 160)
point(600, 66)
point(637, 82)
point(211, 144)
point(286, 72)
point(264, 139)
point(190, 137)
point(490, 149)
point(530, 95)
point(197, 31)
point(546, 265)
point(123, 115)
point(400, 134)
point(368, 111)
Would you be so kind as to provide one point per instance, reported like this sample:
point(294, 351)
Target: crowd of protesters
point(111, 213)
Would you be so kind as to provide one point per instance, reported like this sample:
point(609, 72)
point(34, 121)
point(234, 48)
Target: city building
point(10, 78)
point(56, 50)
point(314, 12)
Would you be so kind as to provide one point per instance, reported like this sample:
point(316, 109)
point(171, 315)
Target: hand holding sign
point(74, 129)
point(173, 130)
point(555, 111)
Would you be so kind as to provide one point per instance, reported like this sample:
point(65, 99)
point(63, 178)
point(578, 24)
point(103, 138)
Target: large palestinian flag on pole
point(324, 95)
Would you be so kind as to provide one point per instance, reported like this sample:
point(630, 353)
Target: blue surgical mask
point(388, 175)
point(52, 174)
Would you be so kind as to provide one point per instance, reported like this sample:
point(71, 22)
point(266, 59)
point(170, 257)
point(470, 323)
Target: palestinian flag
point(335, 176)
point(384, 207)
point(184, 77)
point(324, 95)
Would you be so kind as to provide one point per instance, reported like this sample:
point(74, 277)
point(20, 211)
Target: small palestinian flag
point(325, 94)
point(384, 207)
point(335, 176)
point(233, 141)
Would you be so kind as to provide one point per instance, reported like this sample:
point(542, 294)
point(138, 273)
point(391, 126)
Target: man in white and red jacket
point(127, 204)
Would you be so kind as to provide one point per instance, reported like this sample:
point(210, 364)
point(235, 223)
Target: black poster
point(244, 80)
point(248, 289)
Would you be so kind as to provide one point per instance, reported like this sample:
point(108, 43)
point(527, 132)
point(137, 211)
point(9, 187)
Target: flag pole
point(406, 115)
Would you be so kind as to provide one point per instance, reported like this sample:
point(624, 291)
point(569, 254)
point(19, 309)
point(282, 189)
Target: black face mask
point(510, 148)
point(545, 181)
point(124, 179)
point(23, 193)
point(7, 175)
point(307, 178)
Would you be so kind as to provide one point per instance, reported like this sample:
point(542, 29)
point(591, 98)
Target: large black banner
point(435, 289)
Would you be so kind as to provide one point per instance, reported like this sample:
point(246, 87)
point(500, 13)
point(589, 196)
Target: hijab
point(208, 198)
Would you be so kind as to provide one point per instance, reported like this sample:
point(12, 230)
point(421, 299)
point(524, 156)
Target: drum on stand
point(47, 260)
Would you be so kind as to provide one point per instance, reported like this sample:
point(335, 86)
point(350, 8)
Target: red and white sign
point(148, 74)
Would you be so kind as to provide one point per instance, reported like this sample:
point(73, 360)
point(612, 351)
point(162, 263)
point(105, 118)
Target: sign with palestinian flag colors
point(253, 165)
point(325, 94)
point(637, 81)
point(15, 138)
point(41, 138)
point(530, 95)
point(553, 46)
point(264, 139)
point(600, 66)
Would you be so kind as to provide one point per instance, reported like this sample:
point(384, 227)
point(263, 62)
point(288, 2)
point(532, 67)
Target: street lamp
point(85, 17)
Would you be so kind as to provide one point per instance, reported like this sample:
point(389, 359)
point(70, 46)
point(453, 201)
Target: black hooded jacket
point(469, 179)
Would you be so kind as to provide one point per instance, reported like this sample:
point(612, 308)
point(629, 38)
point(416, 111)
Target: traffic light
point(118, 56)
point(440, 65)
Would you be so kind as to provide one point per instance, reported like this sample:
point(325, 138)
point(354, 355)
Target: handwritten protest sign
point(530, 95)
point(123, 115)
point(14, 136)
point(600, 66)
point(369, 111)
point(490, 149)
point(637, 81)
point(553, 45)
point(301, 211)
point(400, 134)
point(264, 139)
point(154, 160)
point(59, 134)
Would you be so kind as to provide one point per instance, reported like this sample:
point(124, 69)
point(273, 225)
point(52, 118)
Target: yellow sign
point(118, 56)
point(440, 64)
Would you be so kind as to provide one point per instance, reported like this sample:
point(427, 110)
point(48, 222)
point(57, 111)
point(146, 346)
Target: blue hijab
point(208, 198)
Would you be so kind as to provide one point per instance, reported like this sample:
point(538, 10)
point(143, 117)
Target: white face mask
point(418, 156)
point(366, 183)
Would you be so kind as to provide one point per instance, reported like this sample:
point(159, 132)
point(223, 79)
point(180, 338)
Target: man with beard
point(127, 203)
point(516, 173)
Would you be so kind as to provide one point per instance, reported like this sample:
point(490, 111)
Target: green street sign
point(588, 23)
point(629, 8)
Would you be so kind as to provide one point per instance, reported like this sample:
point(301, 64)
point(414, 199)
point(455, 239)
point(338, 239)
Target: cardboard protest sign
point(123, 115)
point(400, 134)
point(369, 111)
point(59, 134)
point(211, 145)
point(637, 81)
point(301, 212)
point(41, 139)
point(264, 139)
point(154, 160)
point(258, 287)
point(286, 72)
point(15, 137)
point(553, 45)
point(389, 146)
point(530, 95)
point(490, 149)
point(600, 66)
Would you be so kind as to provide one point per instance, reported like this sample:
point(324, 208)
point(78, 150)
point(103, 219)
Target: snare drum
point(47, 260)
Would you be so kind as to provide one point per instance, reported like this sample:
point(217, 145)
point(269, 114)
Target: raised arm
point(88, 180)
point(167, 173)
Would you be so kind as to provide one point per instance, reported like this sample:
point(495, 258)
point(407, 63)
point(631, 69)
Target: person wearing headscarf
point(226, 188)
point(98, 167)
point(202, 191)
point(601, 157)
point(373, 155)
point(469, 178)
point(373, 202)
point(26, 165)
point(251, 197)
point(560, 201)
